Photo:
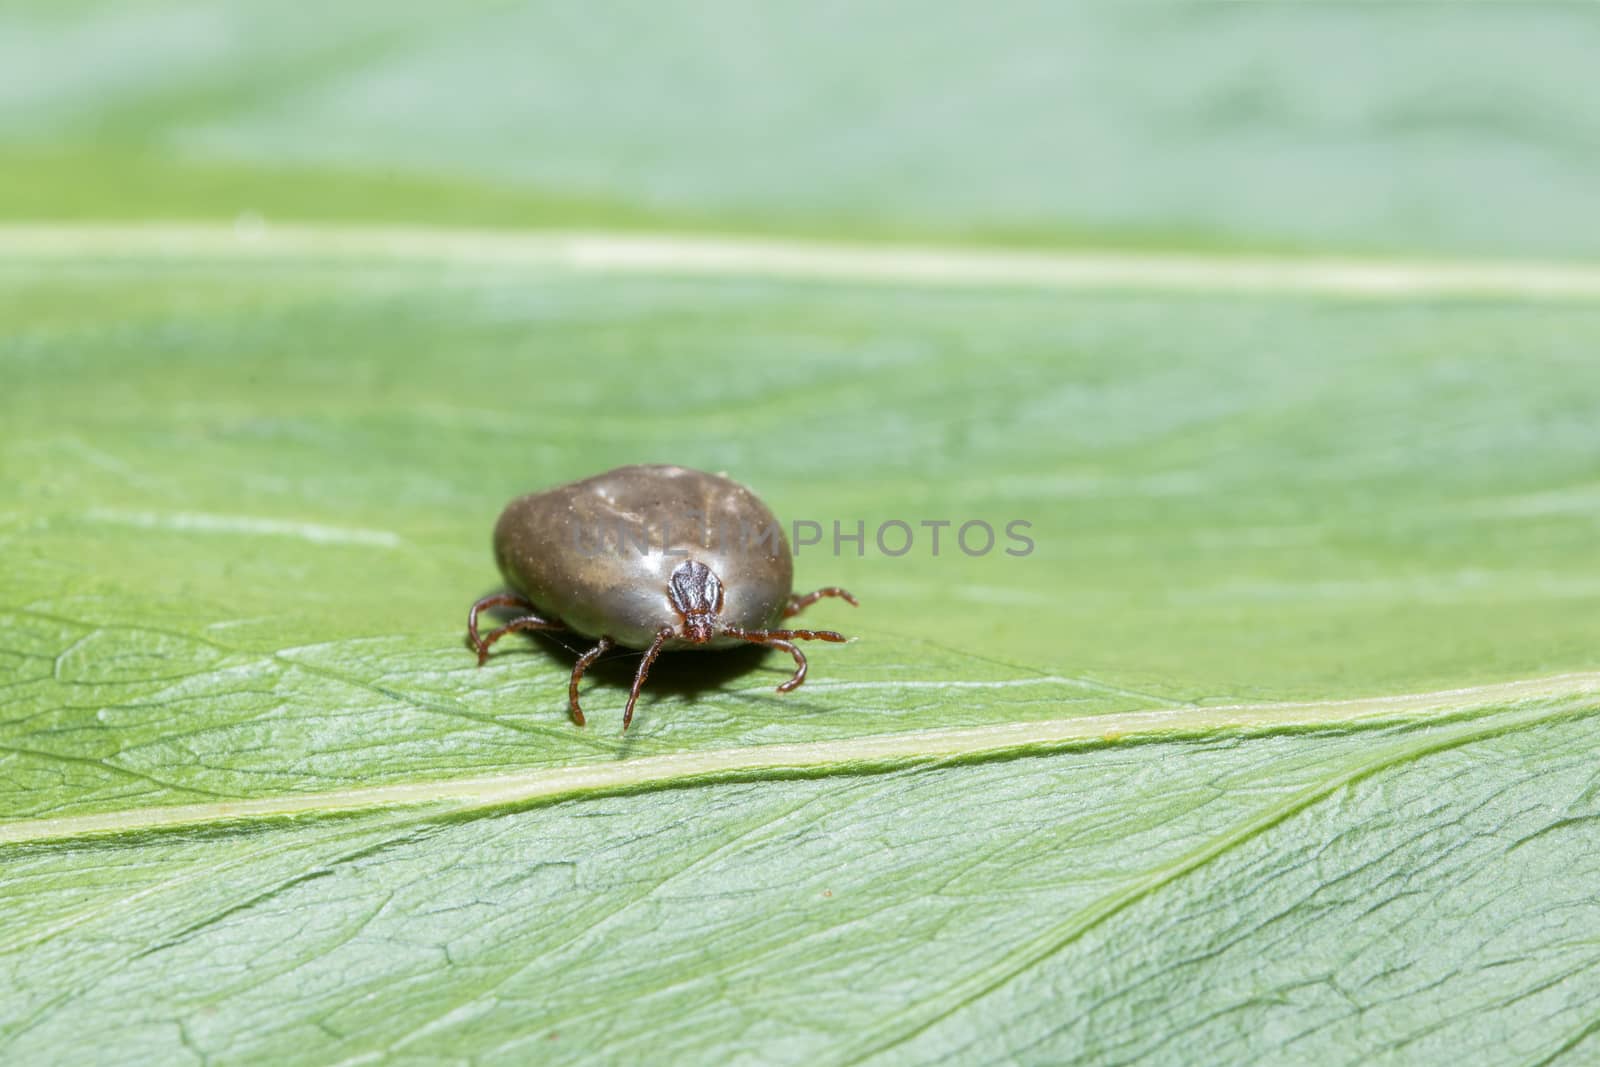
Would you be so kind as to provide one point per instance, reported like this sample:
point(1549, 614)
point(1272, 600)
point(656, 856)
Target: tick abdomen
point(599, 553)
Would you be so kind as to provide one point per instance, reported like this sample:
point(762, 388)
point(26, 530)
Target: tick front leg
point(799, 662)
point(577, 675)
point(784, 639)
point(644, 668)
point(525, 622)
point(798, 603)
point(763, 637)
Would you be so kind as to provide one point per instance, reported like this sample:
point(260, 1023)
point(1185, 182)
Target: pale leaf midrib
point(850, 755)
point(669, 254)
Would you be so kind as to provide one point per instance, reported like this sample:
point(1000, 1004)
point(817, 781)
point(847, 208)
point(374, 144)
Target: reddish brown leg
point(782, 639)
point(798, 603)
point(526, 622)
point(799, 663)
point(577, 676)
point(644, 668)
point(762, 637)
point(496, 600)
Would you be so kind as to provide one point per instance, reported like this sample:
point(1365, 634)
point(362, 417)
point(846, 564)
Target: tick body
point(655, 558)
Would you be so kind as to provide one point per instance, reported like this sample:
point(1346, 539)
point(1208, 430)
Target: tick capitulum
point(623, 601)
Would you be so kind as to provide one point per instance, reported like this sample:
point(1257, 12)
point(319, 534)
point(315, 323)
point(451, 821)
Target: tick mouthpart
point(699, 628)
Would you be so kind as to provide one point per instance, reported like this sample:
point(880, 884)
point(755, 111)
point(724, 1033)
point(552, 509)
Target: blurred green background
point(1412, 127)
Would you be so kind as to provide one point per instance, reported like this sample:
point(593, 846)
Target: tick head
point(696, 594)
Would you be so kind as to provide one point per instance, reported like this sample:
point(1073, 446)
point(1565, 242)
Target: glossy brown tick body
point(725, 589)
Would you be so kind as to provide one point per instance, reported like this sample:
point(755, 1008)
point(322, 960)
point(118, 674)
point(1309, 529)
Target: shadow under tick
point(678, 673)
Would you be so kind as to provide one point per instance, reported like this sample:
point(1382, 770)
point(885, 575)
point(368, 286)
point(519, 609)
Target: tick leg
point(798, 603)
point(525, 622)
point(782, 639)
point(644, 668)
point(495, 600)
point(762, 637)
point(799, 662)
point(577, 675)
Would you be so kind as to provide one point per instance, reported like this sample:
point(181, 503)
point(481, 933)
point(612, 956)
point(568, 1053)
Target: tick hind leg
point(799, 603)
point(524, 622)
point(577, 675)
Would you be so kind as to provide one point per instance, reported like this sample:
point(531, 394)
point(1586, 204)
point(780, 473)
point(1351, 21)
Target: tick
point(653, 558)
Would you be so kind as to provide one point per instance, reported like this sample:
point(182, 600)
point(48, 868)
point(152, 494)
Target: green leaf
point(1278, 745)
point(254, 483)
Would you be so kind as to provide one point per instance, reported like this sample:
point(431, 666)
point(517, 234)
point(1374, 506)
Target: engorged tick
point(649, 587)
